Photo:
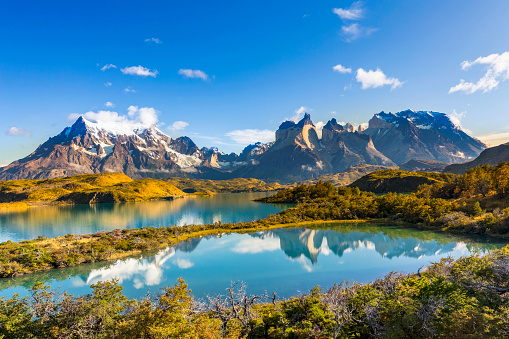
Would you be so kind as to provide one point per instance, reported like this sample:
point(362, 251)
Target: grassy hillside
point(83, 189)
point(224, 186)
point(348, 176)
point(396, 181)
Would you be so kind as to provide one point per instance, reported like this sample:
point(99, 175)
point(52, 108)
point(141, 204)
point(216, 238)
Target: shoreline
point(47, 252)
point(44, 254)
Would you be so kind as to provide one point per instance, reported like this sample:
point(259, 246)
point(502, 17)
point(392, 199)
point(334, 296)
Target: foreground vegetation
point(238, 185)
point(466, 298)
point(83, 189)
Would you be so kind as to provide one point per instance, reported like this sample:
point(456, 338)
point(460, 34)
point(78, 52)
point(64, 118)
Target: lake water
point(53, 221)
point(287, 261)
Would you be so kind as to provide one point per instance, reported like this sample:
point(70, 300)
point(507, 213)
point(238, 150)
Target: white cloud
point(142, 272)
point(129, 90)
point(109, 104)
point(193, 73)
point(183, 263)
point(251, 136)
point(457, 117)
point(319, 126)
point(257, 245)
point(497, 70)
point(375, 79)
point(15, 131)
point(342, 69)
point(299, 114)
point(355, 12)
point(178, 125)
point(355, 31)
point(136, 118)
point(155, 40)
point(495, 139)
point(303, 261)
point(108, 84)
point(108, 66)
point(140, 71)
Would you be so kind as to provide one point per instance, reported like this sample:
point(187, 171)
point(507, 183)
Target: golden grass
point(9, 207)
point(85, 188)
point(225, 186)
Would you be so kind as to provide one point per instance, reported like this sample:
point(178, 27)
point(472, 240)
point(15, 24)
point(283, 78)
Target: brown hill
point(491, 156)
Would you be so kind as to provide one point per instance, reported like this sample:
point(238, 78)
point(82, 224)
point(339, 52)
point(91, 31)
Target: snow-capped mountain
point(88, 147)
point(297, 154)
point(422, 135)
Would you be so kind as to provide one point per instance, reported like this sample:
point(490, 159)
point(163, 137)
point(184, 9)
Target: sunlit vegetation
point(466, 298)
point(396, 181)
point(237, 185)
point(86, 188)
point(347, 176)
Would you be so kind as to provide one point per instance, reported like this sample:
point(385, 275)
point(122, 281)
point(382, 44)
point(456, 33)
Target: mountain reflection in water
point(287, 260)
point(53, 221)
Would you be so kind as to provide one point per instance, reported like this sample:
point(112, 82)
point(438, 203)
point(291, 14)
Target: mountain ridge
point(297, 154)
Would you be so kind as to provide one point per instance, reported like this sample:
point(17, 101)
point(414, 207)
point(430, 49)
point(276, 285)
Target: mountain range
point(298, 153)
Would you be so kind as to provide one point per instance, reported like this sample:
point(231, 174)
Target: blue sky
point(213, 69)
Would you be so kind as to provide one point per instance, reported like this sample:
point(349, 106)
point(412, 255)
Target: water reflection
point(52, 221)
point(310, 243)
point(285, 260)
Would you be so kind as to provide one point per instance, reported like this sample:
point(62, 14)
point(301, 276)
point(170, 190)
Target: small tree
point(477, 210)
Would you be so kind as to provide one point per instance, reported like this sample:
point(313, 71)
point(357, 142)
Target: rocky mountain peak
point(305, 121)
point(349, 128)
point(184, 145)
point(333, 125)
point(426, 135)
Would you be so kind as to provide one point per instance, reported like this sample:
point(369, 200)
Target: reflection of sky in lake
point(52, 221)
point(283, 260)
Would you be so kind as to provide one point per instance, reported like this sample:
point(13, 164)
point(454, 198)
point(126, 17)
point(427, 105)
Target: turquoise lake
point(287, 261)
point(54, 221)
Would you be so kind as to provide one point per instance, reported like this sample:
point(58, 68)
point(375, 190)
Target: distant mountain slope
point(236, 185)
point(491, 156)
point(348, 176)
point(423, 166)
point(386, 181)
point(408, 135)
point(88, 147)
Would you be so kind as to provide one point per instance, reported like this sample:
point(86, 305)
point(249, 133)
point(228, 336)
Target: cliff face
point(343, 147)
point(293, 157)
point(298, 154)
